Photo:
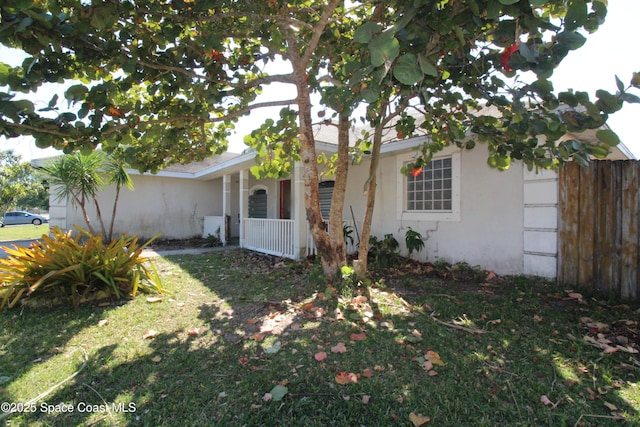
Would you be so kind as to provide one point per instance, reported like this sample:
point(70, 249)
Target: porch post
point(244, 202)
point(299, 213)
point(226, 207)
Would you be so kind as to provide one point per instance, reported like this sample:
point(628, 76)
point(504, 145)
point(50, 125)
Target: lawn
point(22, 232)
point(242, 339)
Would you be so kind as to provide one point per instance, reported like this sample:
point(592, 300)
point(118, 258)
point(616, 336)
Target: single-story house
point(505, 221)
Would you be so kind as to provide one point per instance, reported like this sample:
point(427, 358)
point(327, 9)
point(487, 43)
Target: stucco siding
point(488, 231)
point(174, 207)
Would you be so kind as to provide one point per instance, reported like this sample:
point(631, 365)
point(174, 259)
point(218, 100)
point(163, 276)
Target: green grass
point(22, 232)
point(261, 324)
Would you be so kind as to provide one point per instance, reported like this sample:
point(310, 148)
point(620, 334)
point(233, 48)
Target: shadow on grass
point(239, 324)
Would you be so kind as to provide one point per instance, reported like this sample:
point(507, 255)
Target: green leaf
point(571, 40)
point(508, 2)
point(608, 137)
point(365, 32)
point(427, 66)
point(274, 348)
point(635, 80)
point(278, 393)
point(407, 70)
point(535, 3)
point(384, 48)
point(619, 84)
point(576, 15)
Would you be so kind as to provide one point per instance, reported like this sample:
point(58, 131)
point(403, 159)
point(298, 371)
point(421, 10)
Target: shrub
point(81, 268)
point(414, 241)
point(384, 252)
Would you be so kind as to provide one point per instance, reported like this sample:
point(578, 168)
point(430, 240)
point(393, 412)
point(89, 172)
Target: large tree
point(17, 180)
point(167, 80)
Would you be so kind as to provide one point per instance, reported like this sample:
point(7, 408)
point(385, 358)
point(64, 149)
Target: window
point(325, 190)
point(431, 189)
point(258, 204)
point(433, 194)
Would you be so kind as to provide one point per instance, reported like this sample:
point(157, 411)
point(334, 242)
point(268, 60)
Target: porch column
point(226, 207)
point(299, 213)
point(244, 203)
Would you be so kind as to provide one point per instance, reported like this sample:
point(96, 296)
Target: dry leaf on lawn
point(320, 356)
point(339, 348)
point(103, 322)
point(358, 337)
point(434, 358)
point(346, 378)
point(418, 419)
point(149, 333)
point(154, 299)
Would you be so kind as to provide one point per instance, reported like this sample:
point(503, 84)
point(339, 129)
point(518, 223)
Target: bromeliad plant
point(79, 267)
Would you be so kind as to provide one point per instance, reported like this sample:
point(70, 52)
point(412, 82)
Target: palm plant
point(76, 177)
point(116, 170)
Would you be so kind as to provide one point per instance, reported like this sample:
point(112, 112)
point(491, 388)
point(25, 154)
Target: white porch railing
point(352, 247)
point(270, 236)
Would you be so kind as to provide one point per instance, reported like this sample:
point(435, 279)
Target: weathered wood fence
point(599, 227)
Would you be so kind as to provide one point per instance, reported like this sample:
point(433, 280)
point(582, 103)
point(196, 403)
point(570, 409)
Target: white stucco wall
point(488, 230)
point(174, 207)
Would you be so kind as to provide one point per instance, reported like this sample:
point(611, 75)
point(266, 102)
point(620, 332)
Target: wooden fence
point(599, 231)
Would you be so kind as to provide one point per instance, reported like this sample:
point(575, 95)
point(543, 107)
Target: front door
point(285, 199)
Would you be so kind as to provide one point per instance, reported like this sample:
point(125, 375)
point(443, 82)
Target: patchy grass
point(245, 340)
point(22, 232)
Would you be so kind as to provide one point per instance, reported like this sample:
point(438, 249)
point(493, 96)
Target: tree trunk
point(370, 190)
point(113, 214)
point(99, 214)
point(336, 231)
point(331, 259)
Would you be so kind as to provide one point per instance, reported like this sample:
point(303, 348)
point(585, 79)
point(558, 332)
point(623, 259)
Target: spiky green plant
point(78, 266)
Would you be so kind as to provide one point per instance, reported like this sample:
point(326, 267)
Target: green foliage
point(460, 271)
point(414, 241)
point(213, 240)
point(16, 180)
point(385, 252)
point(81, 268)
point(347, 231)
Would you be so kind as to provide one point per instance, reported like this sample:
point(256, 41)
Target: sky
point(611, 51)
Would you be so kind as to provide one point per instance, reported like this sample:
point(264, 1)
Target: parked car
point(21, 217)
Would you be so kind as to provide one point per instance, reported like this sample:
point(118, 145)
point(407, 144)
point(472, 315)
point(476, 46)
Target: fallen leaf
point(365, 399)
point(346, 378)
point(427, 365)
point(267, 397)
point(611, 406)
point(418, 419)
point(103, 322)
point(274, 348)
point(545, 400)
point(194, 331)
point(156, 359)
point(222, 394)
point(358, 337)
point(416, 333)
point(254, 406)
point(154, 299)
point(319, 312)
point(252, 321)
point(257, 337)
point(432, 373)
point(338, 314)
point(339, 348)
point(149, 333)
point(434, 358)
point(243, 360)
point(320, 356)
point(278, 392)
point(367, 373)
point(307, 306)
point(537, 318)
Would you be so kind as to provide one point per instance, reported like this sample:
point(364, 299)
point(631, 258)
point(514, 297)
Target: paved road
point(10, 244)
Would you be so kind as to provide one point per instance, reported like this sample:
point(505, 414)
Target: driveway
point(11, 243)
